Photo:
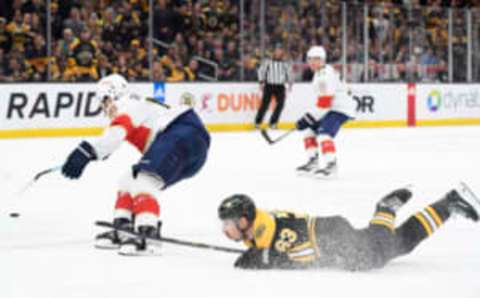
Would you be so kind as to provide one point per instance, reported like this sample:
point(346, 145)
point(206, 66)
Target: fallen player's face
point(231, 230)
point(315, 63)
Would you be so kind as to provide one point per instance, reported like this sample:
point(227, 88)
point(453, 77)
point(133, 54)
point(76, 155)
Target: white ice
point(48, 251)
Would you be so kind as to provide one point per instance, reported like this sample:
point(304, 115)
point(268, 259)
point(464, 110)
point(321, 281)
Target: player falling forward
point(334, 107)
point(286, 240)
point(174, 145)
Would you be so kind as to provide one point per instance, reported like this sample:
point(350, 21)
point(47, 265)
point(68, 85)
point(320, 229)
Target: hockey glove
point(78, 160)
point(307, 121)
point(254, 258)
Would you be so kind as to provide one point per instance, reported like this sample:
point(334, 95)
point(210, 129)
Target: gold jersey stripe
point(301, 247)
point(433, 213)
point(304, 259)
point(385, 214)
point(312, 235)
point(424, 223)
point(383, 223)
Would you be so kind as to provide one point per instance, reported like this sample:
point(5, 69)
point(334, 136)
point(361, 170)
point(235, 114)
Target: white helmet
point(114, 86)
point(317, 52)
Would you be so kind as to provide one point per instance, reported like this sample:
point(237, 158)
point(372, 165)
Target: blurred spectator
point(82, 64)
point(250, 69)
point(191, 70)
point(74, 22)
point(157, 72)
point(104, 67)
point(5, 37)
point(121, 67)
point(3, 64)
point(65, 45)
point(20, 31)
point(36, 58)
point(163, 21)
point(16, 71)
point(56, 21)
point(128, 26)
point(176, 72)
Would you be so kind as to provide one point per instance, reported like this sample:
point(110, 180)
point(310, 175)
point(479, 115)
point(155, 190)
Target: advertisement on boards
point(37, 106)
point(437, 102)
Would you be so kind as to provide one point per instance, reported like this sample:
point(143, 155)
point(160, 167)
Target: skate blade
point(106, 247)
point(467, 193)
point(325, 177)
point(304, 174)
point(140, 253)
point(131, 250)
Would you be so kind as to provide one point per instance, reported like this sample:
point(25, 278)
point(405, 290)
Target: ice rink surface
point(48, 251)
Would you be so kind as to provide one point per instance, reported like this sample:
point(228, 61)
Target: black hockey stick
point(271, 141)
point(106, 224)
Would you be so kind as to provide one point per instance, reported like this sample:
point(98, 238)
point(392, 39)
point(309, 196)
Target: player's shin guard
point(311, 147)
point(123, 207)
point(328, 166)
point(146, 213)
point(146, 210)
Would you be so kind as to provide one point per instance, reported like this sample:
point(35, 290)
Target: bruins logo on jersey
point(286, 239)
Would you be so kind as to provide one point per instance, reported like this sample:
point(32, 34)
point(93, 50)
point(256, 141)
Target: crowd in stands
point(201, 39)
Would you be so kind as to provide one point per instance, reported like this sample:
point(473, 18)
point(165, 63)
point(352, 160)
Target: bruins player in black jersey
point(286, 240)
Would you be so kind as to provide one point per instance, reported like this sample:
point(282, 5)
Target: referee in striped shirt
point(273, 74)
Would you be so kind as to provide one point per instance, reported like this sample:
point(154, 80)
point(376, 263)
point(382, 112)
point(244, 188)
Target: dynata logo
point(434, 100)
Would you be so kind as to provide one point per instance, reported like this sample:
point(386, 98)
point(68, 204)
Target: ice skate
point(140, 245)
point(308, 168)
point(112, 239)
point(396, 199)
point(464, 202)
point(330, 171)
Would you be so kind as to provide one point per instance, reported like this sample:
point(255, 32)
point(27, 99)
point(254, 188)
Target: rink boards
point(37, 110)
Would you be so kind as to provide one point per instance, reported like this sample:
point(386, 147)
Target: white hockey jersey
point(332, 93)
point(138, 122)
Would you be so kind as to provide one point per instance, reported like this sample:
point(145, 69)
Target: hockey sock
point(327, 146)
point(311, 145)
point(123, 206)
point(421, 225)
point(146, 210)
point(384, 219)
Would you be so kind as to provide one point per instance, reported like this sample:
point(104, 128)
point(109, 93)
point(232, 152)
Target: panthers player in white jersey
point(174, 145)
point(330, 109)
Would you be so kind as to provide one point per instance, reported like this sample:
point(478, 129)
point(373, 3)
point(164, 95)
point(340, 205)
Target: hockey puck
point(14, 214)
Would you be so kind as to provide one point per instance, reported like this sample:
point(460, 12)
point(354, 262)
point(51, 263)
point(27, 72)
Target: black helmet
point(236, 206)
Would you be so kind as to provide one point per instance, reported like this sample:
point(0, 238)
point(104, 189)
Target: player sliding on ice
point(174, 145)
point(333, 107)
point(290, 241)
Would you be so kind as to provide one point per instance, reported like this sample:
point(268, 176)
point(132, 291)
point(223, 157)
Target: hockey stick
point(37, 176)
point(21, 191)
point(271, 141)
point(106, 224)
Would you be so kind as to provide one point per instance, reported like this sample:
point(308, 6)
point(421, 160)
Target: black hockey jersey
point(289, 238)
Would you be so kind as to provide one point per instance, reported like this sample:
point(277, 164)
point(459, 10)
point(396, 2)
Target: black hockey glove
point(307, 121)
point(78, 160)
point(254, 258)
